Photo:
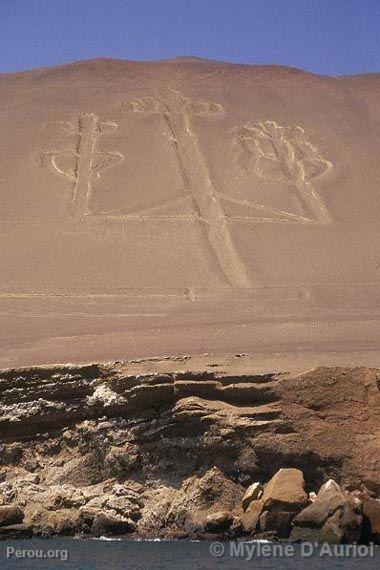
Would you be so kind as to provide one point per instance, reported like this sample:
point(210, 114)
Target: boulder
point(278, 521)
point(333, 517)
point(285, 491)
point(351, 519)
point(253, 492)
point(371, 510)
point(329, 498)
point(218, 522)
point(106, 524)
point(251, 516)
point(332, 530)
point(10, 515)
point(16, 531)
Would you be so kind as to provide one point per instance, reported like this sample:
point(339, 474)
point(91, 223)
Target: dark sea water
point(115, 554)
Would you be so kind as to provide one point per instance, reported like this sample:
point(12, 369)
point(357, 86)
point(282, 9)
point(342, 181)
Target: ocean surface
point(142, 555)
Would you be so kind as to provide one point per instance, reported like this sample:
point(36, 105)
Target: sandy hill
point(187, 206)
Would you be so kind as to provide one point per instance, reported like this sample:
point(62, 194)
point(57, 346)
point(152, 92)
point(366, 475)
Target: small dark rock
point(218, 522)
point(10, 515)
point(278, 521)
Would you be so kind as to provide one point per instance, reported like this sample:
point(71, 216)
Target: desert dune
point(188, 206)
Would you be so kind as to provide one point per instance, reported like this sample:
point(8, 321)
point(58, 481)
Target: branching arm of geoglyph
point(283, 154)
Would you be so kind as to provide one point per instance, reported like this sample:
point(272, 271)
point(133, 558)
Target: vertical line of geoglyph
point(87, 135)
point(218, 230)
point(196, 177)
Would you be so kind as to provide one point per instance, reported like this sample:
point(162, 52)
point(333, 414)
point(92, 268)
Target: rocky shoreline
point(105, 450)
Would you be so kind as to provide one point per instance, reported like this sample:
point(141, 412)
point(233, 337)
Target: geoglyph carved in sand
point(277, 153)
point(176, 112)
point(82, 161)
point(283, 154)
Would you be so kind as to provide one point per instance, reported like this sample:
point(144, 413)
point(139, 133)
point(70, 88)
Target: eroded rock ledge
point(97, 449)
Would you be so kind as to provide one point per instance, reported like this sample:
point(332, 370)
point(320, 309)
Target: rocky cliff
point(161, 450)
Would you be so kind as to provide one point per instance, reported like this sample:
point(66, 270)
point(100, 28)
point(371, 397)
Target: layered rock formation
point(101, 449)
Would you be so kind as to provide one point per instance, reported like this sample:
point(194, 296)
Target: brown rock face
point(169, 447)
point(183, 206)
point(285, 491)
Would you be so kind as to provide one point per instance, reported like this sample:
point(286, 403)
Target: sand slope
point(187, 206)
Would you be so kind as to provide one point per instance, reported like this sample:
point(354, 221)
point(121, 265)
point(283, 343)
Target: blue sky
point(324, 36)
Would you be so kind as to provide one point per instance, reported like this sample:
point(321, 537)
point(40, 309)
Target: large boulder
point(251, 516)
point(333, 517)
point(278, 521)
point(329, 498)
point(342, 526)
point(253, 492)
point(218, 522)
point(285, 491)
point(10, 515)
point(350, 521)
point(332, 530)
